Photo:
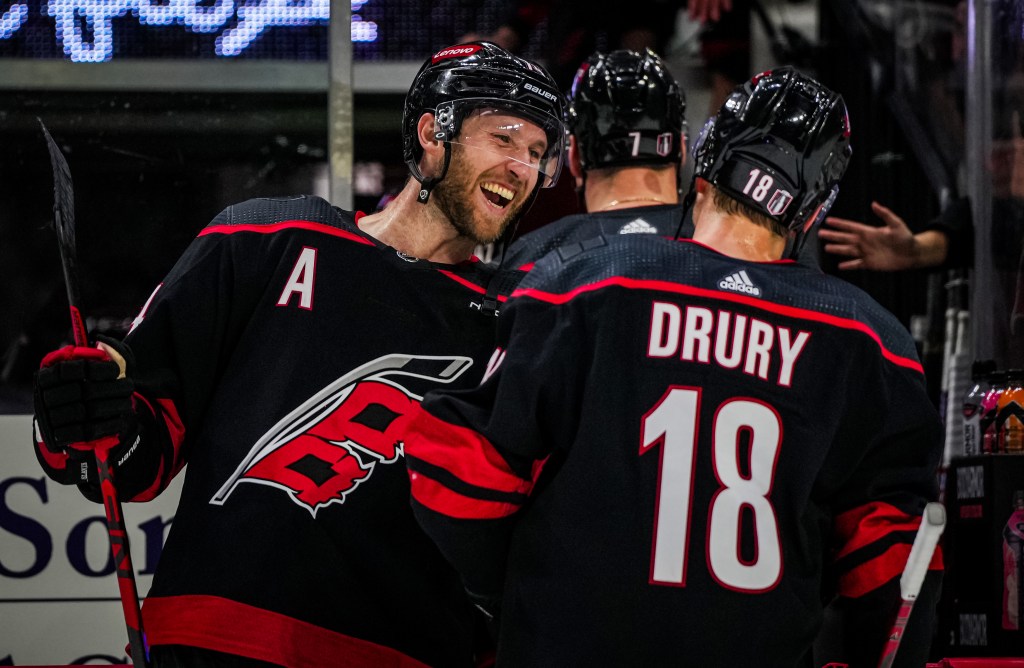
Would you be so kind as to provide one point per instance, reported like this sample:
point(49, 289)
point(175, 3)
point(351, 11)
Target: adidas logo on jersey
point(740, 282)
point(638, 226)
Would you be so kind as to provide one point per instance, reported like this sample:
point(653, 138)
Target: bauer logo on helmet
point(539, 91)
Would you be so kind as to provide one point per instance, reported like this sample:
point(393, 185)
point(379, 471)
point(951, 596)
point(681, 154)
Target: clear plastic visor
point(507, 133)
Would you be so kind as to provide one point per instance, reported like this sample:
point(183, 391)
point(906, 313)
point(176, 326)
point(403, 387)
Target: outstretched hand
point(890, 247)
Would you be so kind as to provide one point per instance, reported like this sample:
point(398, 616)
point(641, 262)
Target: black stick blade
point(63, 191)
point(64, 225)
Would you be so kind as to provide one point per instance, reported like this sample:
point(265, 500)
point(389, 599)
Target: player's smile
point(495, 165)
point(497, 194)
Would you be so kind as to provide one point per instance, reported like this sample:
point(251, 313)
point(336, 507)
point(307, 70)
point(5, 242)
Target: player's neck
point(417, 230)
point(737, 237)
point(629, 187)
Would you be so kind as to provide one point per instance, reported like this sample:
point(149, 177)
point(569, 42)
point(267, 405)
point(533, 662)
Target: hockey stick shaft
point(932, 524)
point(122, 556)
point(64, 225)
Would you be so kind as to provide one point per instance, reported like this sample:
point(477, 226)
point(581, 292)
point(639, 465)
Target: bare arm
point(890, 247)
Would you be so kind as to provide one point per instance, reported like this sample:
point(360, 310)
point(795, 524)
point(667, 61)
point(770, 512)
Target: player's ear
point(433, 148)
point(575, 166)
point(701, 199)
point(686, 152)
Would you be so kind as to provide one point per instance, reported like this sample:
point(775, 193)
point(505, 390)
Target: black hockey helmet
point(780, 144)
point(625, 108)
point(464, 77)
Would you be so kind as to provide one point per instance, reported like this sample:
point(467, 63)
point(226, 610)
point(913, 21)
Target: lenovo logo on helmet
point(455, 52)
point(543, 93)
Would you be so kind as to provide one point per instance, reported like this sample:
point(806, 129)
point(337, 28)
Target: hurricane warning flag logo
point(329, 445)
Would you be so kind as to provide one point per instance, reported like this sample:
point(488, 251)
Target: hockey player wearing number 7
point(627, 146)
point(681, 448)
point(280, 359)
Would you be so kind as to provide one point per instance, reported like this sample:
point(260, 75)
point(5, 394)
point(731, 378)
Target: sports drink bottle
point(980, 386)
point(1010, 414)
point(987, 425)
point(1013, 564)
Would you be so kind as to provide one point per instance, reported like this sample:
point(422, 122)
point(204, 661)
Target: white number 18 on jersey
point(672, 423)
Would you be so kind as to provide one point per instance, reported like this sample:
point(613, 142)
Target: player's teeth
point(498, 190)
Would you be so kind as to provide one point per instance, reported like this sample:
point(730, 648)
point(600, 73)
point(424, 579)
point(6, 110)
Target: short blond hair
point(732, 206)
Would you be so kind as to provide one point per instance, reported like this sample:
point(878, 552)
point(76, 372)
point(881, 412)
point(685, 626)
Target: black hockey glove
point(83, 402)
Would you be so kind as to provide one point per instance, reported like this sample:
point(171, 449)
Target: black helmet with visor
point(480, 75)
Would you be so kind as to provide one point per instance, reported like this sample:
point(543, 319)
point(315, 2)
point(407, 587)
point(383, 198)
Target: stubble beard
point(454, 195)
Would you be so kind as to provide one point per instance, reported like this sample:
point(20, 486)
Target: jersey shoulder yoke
point(266, 211)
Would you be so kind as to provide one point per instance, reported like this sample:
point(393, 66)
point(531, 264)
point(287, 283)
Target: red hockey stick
point(932, 524)
point(64, 224)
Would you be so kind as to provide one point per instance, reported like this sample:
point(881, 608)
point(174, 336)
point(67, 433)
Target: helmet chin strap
point(794, 244)
point(505, 278)
point(427, 183)
point(502, 243)
point(812, 221)
point(688, 200)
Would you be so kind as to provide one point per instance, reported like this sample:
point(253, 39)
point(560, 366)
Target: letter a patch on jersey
point(301, 280)
point(324, 449)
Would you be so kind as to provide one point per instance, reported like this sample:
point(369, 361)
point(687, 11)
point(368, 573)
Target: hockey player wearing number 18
point(681, 445)
point(280, 359)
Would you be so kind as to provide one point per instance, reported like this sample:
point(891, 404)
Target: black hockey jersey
point(670, 450)
point(575, 233)
point(279, 360)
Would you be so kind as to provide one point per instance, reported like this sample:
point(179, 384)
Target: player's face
point(494, 168)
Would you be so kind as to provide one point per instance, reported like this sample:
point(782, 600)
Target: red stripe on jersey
point(287, 225)
point(528, 266)
point(869, 523)
point(669, 286)
point(469, 284)
point(441, 499)
point(874, 573)
point(462, 452)
point(227, 626)
point(175, 429)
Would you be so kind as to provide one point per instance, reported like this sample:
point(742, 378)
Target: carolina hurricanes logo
point(324, 449)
